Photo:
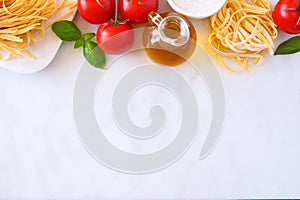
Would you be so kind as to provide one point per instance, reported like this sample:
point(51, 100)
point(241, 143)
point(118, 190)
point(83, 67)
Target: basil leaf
point(290, 46)
point(79, 43)
point(66, 30)
point(94, 55)
point(88, 36)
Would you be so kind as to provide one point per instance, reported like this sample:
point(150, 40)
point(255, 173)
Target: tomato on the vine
point(286, 16)
point(115, 37)
point(96, 11)
point(136, 11)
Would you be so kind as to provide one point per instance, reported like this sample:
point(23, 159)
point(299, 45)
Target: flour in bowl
point(198, 7)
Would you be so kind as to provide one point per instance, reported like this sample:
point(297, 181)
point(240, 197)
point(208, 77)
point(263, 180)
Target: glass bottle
point(169, 38)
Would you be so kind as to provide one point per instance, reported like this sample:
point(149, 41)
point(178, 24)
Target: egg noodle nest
point(25, 21)
point(244, 31)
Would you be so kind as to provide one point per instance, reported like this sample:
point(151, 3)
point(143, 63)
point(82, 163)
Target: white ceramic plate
point(207, 8)
point(43, 51)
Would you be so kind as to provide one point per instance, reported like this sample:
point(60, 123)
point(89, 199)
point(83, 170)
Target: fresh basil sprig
point(94, 55)
point(68, 31)
point(290, 46)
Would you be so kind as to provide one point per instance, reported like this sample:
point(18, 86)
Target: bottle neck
point(174, 30)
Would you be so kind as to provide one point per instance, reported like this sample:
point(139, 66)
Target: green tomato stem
point(116, 12)
point(298, 9)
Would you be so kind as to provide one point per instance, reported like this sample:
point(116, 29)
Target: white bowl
point(208, 8)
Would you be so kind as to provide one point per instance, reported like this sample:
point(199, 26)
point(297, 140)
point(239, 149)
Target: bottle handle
point(155, 18)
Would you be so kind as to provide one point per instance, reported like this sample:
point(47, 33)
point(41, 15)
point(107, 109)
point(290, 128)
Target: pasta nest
point(244, 31)
point(23, 22)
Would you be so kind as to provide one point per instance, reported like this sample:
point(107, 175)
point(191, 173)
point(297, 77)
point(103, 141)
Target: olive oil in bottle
point(169, 39)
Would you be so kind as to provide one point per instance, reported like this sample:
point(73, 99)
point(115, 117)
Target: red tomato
point(115, 38)
point(96, 11)
point(136, 11)
point(286, 16)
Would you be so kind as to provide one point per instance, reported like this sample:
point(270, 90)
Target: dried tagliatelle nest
point(244, 31)
point(22, 20)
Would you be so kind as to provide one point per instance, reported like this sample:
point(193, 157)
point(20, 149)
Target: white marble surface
point(258, 155)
